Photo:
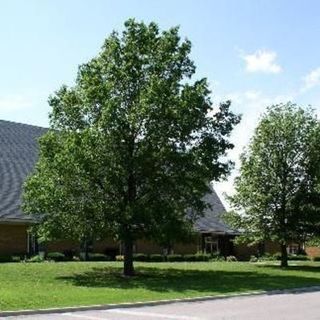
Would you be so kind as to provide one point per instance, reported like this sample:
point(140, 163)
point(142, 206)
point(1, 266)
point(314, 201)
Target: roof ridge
point(22, 124)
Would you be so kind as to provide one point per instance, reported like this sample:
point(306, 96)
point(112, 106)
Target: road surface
point(293, 306)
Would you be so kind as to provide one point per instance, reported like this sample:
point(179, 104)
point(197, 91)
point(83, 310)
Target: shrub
point(16, 258)
point(140, 257)
point(98, 257)
point(36, 258)
point(69, 254)
point(270, 257)
point(56, 256)
point(119, 258)
point(316, 258)
point(5, 258)
point(277, 256)
point(298, 257)
point(231, 259)
point(174, 257)
point(253, 259)
point(190, 257)
point(156, 258)
point(202, 257)
point(217, 258)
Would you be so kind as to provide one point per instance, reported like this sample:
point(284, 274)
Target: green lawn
point(43, 285)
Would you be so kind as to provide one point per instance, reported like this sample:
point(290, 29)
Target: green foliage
point(98, 257)
point(314, 242)
point(131, 145)
point(217, 258)
point(156, 258)
point(16, 258)
point(278, 191)
point(10, 258)
point(270, 257)
point(190, 257)
point(36, 258)
point(69, 254)
point(5, 258)
point(253, 259)
point(140, 257)
point(231, 259)
point(56, 256)
point(298, 257)
point(175, 258)
point(202, 256)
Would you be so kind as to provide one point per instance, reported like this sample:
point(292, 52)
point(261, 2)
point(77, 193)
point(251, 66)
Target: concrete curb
point(157, 302)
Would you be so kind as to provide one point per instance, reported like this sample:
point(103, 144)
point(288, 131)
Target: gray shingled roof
point(18, 155)
point(211, 221)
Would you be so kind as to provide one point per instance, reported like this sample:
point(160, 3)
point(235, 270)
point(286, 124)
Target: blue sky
point(255, 52)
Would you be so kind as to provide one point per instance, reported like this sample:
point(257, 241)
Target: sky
point(256, 53)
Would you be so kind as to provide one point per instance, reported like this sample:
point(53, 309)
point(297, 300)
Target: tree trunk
point(84, 250)
point(128, 269)
point(284, 256)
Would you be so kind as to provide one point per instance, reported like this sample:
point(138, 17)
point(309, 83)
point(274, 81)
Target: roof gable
point(18, 155)
point(212, 221)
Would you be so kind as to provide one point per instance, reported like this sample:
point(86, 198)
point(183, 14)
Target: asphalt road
point(302, 306)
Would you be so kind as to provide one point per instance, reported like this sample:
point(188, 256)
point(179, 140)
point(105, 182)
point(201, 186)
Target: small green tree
point(132, 145)
point(277, 192)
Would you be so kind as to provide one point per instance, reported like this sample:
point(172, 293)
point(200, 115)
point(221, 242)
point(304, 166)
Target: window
point(211, 245)
point(293, 249)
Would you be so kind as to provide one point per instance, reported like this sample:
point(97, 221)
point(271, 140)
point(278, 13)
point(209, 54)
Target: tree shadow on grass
point(201, 281)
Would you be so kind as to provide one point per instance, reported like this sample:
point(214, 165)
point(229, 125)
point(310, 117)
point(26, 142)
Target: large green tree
point(277, 192)
point(132, 145)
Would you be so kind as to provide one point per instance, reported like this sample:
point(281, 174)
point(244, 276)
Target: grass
point(44, 285)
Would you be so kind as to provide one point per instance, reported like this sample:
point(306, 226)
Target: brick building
point(18, 155)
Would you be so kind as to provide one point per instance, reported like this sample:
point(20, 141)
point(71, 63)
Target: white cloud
point(262, 61)
point(311, 80)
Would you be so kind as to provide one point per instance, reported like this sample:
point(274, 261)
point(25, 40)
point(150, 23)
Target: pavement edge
point(156, 302)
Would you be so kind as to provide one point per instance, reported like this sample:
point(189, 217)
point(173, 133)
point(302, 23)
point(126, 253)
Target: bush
point(174, 257)
point(202, 257)
point(253, 259)
point(298, 257)
point(56, 256)
point(277, 256)
point(119, 258)
point(5, 258)
point(270, 257)
point(217, 258)
point(140, 257)
point(231, 259)
point(16, 258)
point(69, 254)
point(190, 257)
point(98, 257)
point(36, 258)
point(316, 258)
point(156, 258)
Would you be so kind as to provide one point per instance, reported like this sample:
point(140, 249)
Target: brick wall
point(313, 251)
point(63, 245)
point(13, 239)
